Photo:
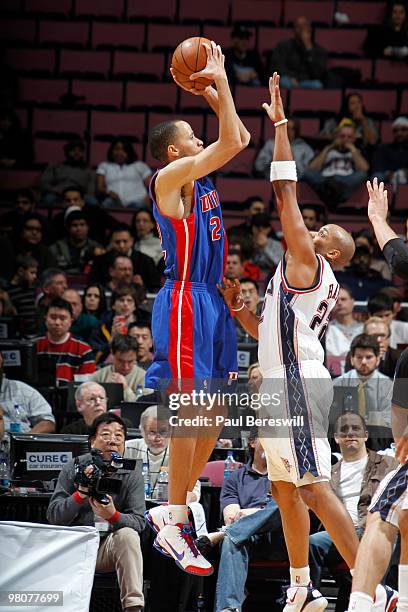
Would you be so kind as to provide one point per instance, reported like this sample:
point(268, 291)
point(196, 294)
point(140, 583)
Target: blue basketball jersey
point(195, 249)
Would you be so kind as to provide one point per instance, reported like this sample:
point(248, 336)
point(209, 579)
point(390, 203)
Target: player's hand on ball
point(275, 109)
point(215, 63)
point(193, 90)
point(231, 292)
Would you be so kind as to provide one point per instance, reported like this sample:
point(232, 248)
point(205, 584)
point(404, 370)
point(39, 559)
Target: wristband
point(281, 122)
point(238, 309)
point(283, 171)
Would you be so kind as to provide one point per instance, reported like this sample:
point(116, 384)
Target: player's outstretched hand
point(214, 68)
point(378, 202)
point(275, 110)
point(192, 90)
point(231, 292)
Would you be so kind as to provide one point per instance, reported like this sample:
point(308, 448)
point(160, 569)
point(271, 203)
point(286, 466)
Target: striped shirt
point(72, 357)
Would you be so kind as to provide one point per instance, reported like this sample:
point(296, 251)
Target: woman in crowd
point(354, 110)
point(146, 238)
point(122, 180)
point(389, 40)
point(94, 300)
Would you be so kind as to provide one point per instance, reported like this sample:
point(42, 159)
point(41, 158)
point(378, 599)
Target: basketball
point(189, 57)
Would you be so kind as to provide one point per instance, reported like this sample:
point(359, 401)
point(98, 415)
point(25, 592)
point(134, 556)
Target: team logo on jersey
point(286, 464)
point(232, 376)
point(209, 201)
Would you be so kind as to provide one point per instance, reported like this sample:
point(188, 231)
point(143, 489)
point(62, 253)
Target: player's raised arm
point(283, 177)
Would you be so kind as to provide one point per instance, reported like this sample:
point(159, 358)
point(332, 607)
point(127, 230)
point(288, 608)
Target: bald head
point(343, 242)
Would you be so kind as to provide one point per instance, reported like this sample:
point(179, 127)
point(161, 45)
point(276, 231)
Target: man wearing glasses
point(91, 402)
point(120, 521)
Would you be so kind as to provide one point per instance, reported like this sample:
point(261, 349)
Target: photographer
point(120, 520)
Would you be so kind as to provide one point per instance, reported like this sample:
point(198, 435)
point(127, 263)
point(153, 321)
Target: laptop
point(131, 411)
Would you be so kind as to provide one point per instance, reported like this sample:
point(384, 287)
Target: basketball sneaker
point(157, 517)
point(304, 599)
point(177, 541)
point(386, 599)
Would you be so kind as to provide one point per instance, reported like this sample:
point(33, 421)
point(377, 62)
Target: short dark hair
point(49, 274)
point(26, 193)
point(140, 325)
point(117, 256)
point(347, 412)
point(25, 262)
point(61, 304)
point(106, 417)
point(73, 188)
point(128, 147)
point(160, 137)
point(346, 288)
point(249, 201)
point(120, 227)
point(261, 220)
point(378, 302)
point(236, 252)
point(247, 279)
point(123, 343)
point(124, 289)
point(364, 341)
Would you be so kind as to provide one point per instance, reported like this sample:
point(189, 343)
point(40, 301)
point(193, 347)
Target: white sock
point(177, 514)
point(402, 605)
point(299, 576)
point(360, 602)
point(352, 571)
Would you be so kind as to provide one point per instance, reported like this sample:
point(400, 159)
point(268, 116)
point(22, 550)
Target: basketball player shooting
point(298, 302)
point(194, 335)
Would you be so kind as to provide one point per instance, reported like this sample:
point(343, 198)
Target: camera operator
point(119, 518)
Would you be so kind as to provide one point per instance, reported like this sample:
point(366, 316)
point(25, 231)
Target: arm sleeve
point(101, 169)
point(132, 513)
point(63, 509)
point(396, 254)
point(400, 391)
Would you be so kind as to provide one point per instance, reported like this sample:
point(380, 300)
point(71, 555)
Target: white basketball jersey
point(294, 320)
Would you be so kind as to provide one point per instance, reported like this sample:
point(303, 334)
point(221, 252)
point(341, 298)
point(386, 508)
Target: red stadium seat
point(380, 101)
point(357, 201)
point(32, 60)
point(42, 90)
point(159, 9)
point(389, 71)
point(362, 13)
point(22, 115)
point(341, 41)
point(307, 195)
point(317, 12)
point(190, 102)
point(222, 34)
point(214, 470)
point(118, 35)
point(89, 62)
point(365, 66)
point(99, 93)
point(315, 100)
point(262, 11)
point(241, 164)
point(386, 134)
point(252, 98)
point(404, 103)
point(62, 7)
point(96, 8)
point(269, 38)
point(238, 189)
point(215, 10)
point(59, 121)
point(21, 30)
point(104, 124)
point(196, 122)
point(48, 151)
point(140, 64)
point(10, 6)
point(253, 125)
point(19, 179)
point(160, 36)
point(151, 95)
point(64, 33)
point(99, 150)
point(401, 199)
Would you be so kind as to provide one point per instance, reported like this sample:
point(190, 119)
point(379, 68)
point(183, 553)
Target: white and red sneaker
point(157, 517)
point(177, 541)
point(386, 599)
point(304, 599)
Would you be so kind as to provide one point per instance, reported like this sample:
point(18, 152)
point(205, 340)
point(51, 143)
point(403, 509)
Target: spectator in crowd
point(355, 479)
point(380, 305)
point(124, 310)
point(390, 162)
point(243, 65)
point(254, 377)
point(30, 241)
point(252, 206)
point(310, 217)
point(268, 250)
point(16, 149)
point(7, 308)
point(35, 413)
point(120, 522)
point(91, 402)
point(342, 328)
point(374, 389)
point(121, 243)
point(94, 300)
point(83, 323)
point(340, 168)
point(2, 430)
point(301, 151)
point(76, 251)
point(378, 263)
point(244, 245)
point(399, 312)
point(362, 280)
point(354, 111)
point(379, 328)
point(53, 285)
point(24, 203)
point(123, 370)
point(72, 356)
point(142, 333)
point(250, 294)
point(122, 180)
point(299, 61)
point(72, 172)
point(389, 40)
point(146, 239)
point(22, 292)
point(235, 265)
point(121, 272)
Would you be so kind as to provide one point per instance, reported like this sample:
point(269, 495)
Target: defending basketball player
point(298, 302)
point(194, 335)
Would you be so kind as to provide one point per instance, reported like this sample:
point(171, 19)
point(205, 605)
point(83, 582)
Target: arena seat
point(356, 202)
point(307, 195)
point(269, 38)
point(42, 90)
point(59, 121)
point(107, 94)
point(18, 30)
point(386, 134)
point(37, 61)
point(342, 41)
point(252, 98)
point(261, 11)
point(160, 36)
point(189, 102)
point(215, 10)
point(95, 8)
point(118, 35)
point(389, 71)
point(240, 164)
point(74, 62)
point(315, 101)
point(362, 13)
point(105, 125)
point(214, 470)
point(151, 95)
point(138, 65)
point(318, 12)
point(236, 190)
point(73, 34)
point(382, 102)
point(222, 34)
point(12, 180)
point(48, 7)
point(308, 128)
point(365, 66)
point(49, 150)
point(401, 199)
point(252, 123)
point(196, 121)
point(163, 10)
point(404, 103)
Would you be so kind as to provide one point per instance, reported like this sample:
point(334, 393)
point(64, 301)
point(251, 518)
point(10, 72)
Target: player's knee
point(317, 496)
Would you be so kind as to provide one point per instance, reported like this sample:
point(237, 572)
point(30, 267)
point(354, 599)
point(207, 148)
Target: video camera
point(99, 482)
